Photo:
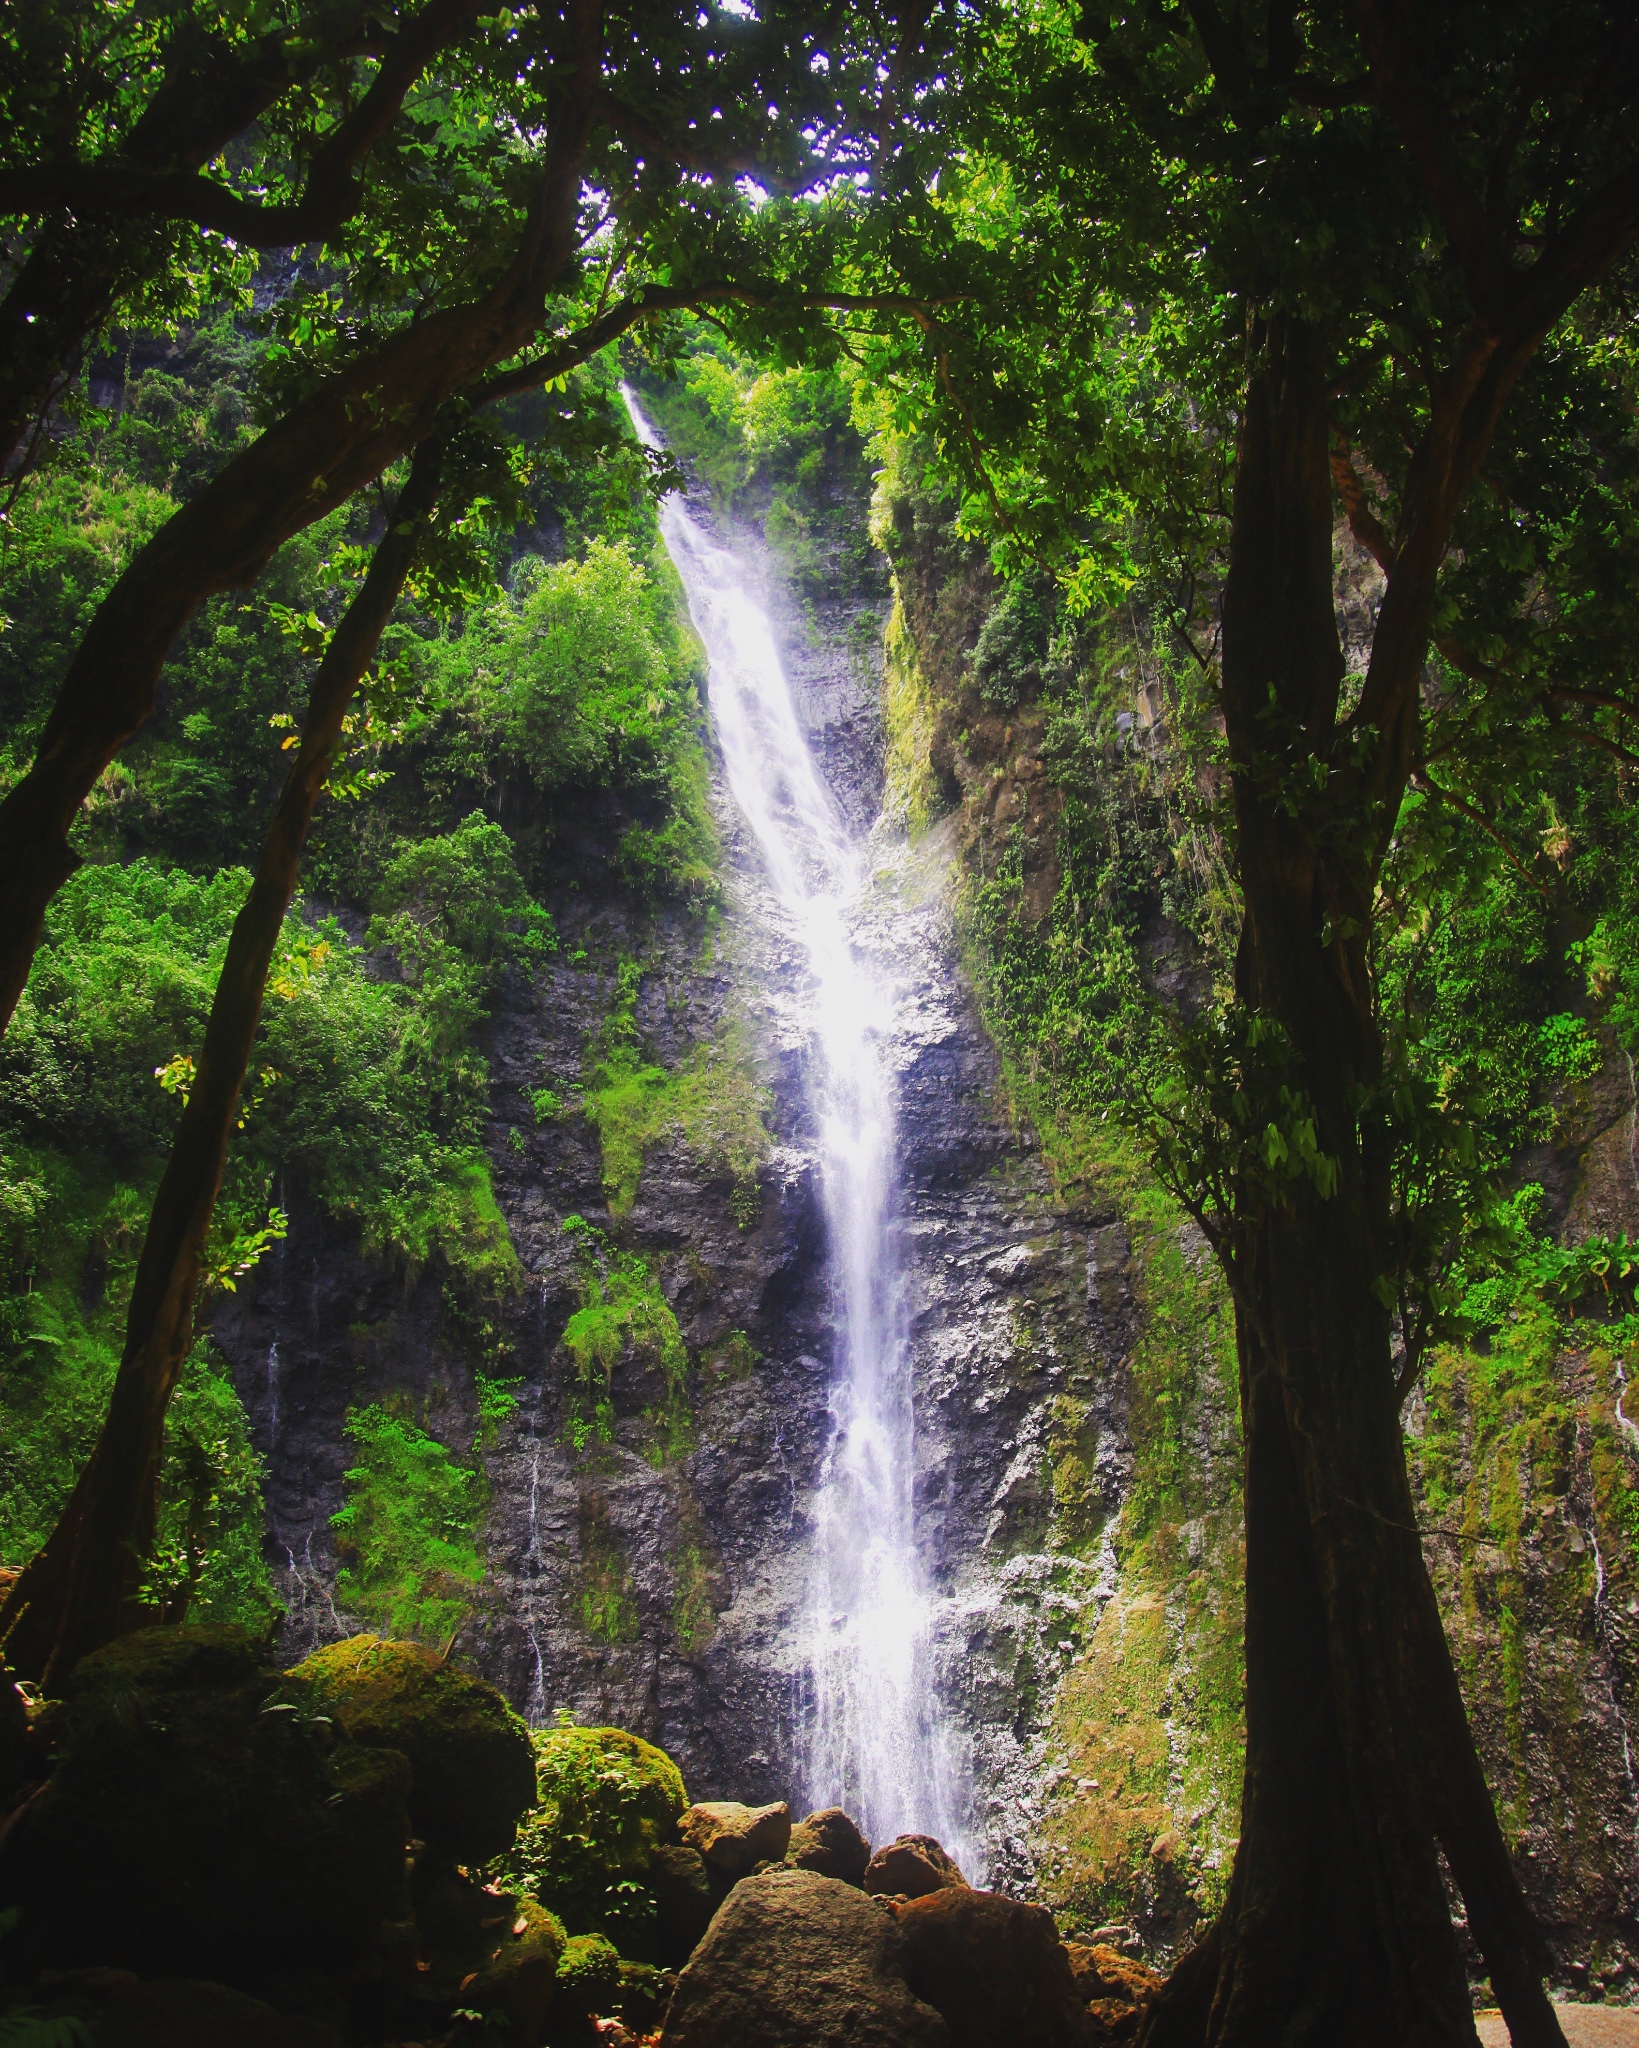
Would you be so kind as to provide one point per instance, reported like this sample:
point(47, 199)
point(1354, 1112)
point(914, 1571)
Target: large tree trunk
point(78, 1590)
point(1360, 1764)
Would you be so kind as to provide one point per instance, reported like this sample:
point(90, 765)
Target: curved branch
point(1421, 779)
point(116, 187)
point(1364, 523)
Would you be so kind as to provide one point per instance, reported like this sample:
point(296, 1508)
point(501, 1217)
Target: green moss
point(606, 1603)
point(588, 1974)
point(714, 1102)
point(407, 1530)
point(605, 1801)
point(694, 1617)
point(1148, 1724)
point(910, 719)
point(182, 1755)
point(621, 1304)
point(472, 1766)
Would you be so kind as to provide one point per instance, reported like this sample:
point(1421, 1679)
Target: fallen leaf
point(423, 1966)
point(520, 1925)
point(470, 1978)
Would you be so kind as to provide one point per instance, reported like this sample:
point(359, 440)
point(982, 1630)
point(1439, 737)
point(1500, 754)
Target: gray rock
point(829, 1842)
point(734, 1839)
point(910, 1866)
point(796, 1960)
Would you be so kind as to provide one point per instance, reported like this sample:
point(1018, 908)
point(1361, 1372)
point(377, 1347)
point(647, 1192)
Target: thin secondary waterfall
point(873, 1741)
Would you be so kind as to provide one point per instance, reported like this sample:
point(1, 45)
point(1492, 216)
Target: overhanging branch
point(116, 187)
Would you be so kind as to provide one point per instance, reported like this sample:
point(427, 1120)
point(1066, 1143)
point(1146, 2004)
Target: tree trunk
point(78, 1591)
point(1360, 1762)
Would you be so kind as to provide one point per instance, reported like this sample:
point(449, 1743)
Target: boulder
point(1114, 1988)
point(909, 1867)
point(796, 1960)
point(605, 1803)
point(993, 1967)
point(588, 1977)
point(684, 1899)
point(204, 1819)
point(517, 1984)
point(733, 1838)
point(472, 1765)
point(829, 1842)
point(480, 1949)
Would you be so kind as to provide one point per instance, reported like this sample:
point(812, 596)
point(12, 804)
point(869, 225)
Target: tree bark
point(78, 1590)
point(1360, 1763)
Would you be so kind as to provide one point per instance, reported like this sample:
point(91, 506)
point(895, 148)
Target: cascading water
point(873, 1742)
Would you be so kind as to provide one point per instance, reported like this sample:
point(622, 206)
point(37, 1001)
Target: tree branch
point(1364, 523)
point(639, 129)
point(1422, 780)
point(114, 186)
point(584, 343)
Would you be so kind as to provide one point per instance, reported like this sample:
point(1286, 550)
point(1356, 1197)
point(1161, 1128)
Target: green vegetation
point(621, 1305)
point(407, 1532)
point(605, 1802)
point(368, 1094)
point(714, 1103)
point(779, 444)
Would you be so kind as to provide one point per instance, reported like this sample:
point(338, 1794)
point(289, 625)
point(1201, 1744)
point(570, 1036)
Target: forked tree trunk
point(1360, 1763)
point(78, 1591)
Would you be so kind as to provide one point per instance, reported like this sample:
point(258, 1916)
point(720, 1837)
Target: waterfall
point(873, 1740)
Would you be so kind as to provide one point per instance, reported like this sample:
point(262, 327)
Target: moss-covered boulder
point(588, 1977)
point(480, 1950)
point(472, 1769)
point(204, 1819)
point(605, 1802)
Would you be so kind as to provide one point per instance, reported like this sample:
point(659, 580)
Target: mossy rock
point(472, 1769)
point(204, 1819)
point(481, 1951)
point(588, 1977)
point(605, 1802)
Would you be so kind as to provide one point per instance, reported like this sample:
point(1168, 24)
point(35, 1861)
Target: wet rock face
point(662, 1586)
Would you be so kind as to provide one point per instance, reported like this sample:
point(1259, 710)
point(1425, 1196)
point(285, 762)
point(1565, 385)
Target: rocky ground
point(200, 1851)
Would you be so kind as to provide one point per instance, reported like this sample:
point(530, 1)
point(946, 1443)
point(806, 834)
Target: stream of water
point(873, 1742)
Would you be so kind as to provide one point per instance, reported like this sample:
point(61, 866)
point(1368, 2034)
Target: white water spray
point(874, 1742)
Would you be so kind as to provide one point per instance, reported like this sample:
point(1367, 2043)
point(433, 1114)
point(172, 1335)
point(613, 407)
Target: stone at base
point(994, 1967)
point(1113, 1987)
point(829, 1843)
point(911, 1866)
point(733, 1838)
point(795, 1960)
